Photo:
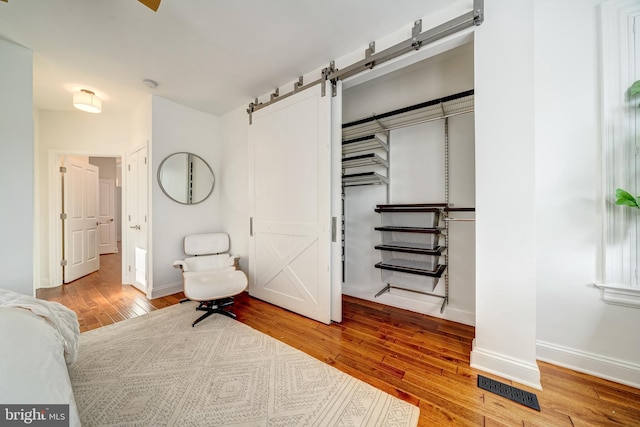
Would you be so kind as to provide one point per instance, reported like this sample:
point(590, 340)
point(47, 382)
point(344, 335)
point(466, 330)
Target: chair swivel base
point(215, 306)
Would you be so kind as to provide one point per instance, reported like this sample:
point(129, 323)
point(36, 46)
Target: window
point(621, 151)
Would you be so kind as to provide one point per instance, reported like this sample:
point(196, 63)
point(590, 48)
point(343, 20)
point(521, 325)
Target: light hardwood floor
point(420, 359)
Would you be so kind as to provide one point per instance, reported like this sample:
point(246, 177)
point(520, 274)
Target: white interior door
point(290, 204)
point(137, 219)
point(80, 207)
point(106, 217)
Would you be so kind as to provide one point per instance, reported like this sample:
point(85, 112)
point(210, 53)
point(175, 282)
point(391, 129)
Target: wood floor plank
point(434, 415)
point(417, 358)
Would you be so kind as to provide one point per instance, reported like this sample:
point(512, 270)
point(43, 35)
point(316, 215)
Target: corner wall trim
point(506, 367)
point(164, 290)
point(599, 366)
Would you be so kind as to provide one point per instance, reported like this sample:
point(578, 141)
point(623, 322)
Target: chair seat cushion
point(207, 285)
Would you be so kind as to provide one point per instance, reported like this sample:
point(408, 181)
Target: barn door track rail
point(418, 40)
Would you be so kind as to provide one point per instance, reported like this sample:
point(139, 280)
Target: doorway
point(409, 159)
point(80, 232)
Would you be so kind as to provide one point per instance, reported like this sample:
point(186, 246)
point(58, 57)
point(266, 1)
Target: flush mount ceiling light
point(86, 100)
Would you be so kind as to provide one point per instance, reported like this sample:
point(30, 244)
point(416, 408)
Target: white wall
point(505, 193)
point(141, 122)
point(69, 132)
point(178, 128)
point(234, 185)
point(16, 168)
point(575, 327)
point(107, 166)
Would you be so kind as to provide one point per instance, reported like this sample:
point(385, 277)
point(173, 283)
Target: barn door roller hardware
point(418, 39)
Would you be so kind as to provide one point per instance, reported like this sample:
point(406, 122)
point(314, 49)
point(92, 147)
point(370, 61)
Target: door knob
point(135, 227)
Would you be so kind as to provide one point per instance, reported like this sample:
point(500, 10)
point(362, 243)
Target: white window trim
point(621, 161)
point(620, 295)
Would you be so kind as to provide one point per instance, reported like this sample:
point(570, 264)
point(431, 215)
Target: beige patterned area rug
point(157, 370)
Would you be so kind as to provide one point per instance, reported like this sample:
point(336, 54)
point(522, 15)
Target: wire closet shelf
point(436, 109)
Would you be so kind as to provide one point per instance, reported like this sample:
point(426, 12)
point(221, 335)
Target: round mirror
point(185, 178)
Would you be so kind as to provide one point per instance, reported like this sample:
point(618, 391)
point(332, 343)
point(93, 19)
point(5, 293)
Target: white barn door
point(290, 204)
point(80, 205)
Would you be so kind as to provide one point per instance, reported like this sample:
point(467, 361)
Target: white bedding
point(33, 369)
point(63, 320)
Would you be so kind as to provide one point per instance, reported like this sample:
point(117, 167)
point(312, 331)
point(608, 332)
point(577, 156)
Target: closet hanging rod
point(459, 219)
point(410, 108)
point(413, 123)
point(452, 208)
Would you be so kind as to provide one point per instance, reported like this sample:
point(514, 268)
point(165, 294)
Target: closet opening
point(408, 187)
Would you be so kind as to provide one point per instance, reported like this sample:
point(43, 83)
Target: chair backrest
point(206, 244)
point(208, 250)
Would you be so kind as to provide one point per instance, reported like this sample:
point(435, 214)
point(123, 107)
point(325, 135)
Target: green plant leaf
point(635, 88)
point(623, 198)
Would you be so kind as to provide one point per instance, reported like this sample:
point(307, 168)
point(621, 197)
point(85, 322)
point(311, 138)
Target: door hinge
point(334, 228)
point(145, 160)
point(251, 226)
point(129, 269)
point(63, 263)
point(129, 168)
point(63, 216)
point(145, 218)
point(63, 169)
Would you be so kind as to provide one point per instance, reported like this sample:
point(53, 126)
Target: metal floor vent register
point(522, 397)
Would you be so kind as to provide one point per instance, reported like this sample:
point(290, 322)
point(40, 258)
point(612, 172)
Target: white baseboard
point(164, 290)
point(589, 363)
point(506, 367)
point(45, 283)
point(401, 300)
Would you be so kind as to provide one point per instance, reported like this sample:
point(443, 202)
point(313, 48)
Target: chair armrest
point(181, 265)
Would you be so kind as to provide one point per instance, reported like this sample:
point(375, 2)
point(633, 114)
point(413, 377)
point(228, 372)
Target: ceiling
point(213, 56)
